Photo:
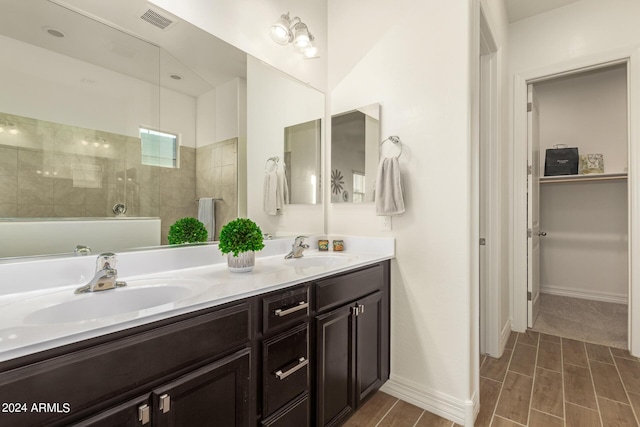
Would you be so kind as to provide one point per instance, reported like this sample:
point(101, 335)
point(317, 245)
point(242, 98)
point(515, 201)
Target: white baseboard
point(585, 294)
point(504, 337)
point(462, 412)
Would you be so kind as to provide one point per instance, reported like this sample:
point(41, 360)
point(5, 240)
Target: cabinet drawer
point(295, 414)
point(284, 308)
point(94, 378)
point(285, 368)
point(348, 287)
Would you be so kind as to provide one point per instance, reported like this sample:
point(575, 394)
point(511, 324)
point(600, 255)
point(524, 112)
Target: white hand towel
point(283, 190)
point(389, 198)
point(270, 193)
point(207, 216)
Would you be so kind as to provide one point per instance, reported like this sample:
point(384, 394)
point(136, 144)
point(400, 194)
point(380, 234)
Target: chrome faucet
point(105, 277)
point(297, 248)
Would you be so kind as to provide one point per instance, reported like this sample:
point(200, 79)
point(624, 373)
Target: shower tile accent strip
point(568, 383)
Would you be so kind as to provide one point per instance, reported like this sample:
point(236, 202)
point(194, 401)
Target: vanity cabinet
point(217, 393)
point(85, 380)
point(307, 355)
point(352, 341)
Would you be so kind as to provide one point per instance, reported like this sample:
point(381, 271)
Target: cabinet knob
point(144, 414)
point(165, 403)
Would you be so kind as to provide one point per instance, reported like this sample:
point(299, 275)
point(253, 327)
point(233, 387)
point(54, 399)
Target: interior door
point(533, 208)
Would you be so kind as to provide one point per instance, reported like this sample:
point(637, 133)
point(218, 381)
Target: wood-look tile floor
point(382, 410)
point(540, 381)
point(545, 380)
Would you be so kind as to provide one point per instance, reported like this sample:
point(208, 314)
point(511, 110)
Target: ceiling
point(522, 9)
point(202, 60)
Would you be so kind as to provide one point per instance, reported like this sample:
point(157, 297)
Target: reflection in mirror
point(355, 136)
point(75, 93)
point(302, 160)
point(275, 102)
point(73, 158)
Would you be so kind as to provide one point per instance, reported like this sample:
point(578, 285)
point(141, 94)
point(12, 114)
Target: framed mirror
point(355, 136)
point(72, 156)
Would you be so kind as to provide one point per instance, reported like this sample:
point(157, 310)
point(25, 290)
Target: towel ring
point(272, 164)
point(395, 140)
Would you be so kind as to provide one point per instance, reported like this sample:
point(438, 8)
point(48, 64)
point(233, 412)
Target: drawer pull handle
point(302, 362)
point(301, 306)
point(165, 403)
point(143, 414)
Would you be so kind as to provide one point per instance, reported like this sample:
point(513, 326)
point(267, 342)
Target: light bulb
point(301, 40)
point(310, 51)
point(280, 32)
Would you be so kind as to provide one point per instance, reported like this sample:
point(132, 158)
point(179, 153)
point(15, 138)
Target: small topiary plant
point(187, 230)
point(240, 235)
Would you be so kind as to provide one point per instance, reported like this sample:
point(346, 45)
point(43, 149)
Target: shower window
point(159, 148)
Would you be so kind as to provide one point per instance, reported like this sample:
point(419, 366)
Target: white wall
point(414, 59)
point(218, 113)
point(266, 120)
point(206, 119)
point(588, 111)
point(77, 93)
point(227, 99)
point(585, 251)
point(245, 24)
point(577, 30)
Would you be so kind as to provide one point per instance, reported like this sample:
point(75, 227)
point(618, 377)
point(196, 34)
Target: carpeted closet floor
point(596, 322)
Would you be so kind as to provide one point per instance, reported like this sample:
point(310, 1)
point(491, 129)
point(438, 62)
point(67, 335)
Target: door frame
point(631, 57)
point(489, 155)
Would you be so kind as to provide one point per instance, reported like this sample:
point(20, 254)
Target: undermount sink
point(321, 260)
point(140, 296)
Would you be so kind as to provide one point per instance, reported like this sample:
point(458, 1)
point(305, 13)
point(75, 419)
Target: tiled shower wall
point(53, 170)
point(217, 177)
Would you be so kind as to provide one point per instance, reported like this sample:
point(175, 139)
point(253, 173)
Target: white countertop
point(38, 285)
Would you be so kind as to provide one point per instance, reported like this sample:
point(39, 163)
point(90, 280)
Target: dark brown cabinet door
point(335, 366)
point(371, 342)
point(214, 395)
point(133, 413)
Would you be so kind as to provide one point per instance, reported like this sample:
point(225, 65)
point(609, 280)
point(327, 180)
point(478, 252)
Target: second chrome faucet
point(297, 248)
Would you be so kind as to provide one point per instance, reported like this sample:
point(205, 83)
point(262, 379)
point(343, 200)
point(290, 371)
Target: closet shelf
point(583, 178)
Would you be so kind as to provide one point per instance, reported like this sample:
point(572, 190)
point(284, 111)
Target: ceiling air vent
point(158, 19)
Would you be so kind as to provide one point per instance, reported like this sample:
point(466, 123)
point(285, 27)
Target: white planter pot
point(243, 263)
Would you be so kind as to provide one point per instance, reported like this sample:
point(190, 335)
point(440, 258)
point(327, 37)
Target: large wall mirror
point(355, 136)
point(75, 95)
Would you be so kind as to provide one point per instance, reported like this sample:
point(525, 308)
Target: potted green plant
point(239, 240)
point(187, 230)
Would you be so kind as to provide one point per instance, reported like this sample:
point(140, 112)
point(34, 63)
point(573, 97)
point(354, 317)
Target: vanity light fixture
point(292, 30)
